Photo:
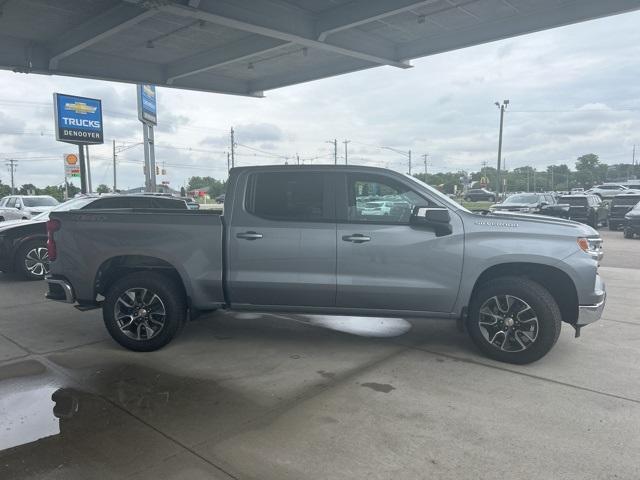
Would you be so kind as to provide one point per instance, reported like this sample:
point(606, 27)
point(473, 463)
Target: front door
point(282, 240)
point(383, 262)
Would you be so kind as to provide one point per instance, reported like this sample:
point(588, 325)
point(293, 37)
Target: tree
point(102, 188)
point(589, 170)
point(28, 189)
point(214, 187)
point(4, 190)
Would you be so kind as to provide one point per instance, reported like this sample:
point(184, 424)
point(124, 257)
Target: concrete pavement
point(277, 397)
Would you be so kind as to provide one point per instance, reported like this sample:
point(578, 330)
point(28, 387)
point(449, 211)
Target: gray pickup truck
point(305, 239)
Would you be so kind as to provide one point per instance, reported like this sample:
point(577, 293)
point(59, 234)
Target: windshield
point(39, 202)
point(441, 196)
point(73, 204)
point(527, 199)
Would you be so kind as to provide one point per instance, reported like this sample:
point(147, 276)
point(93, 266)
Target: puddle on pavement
point(48, 428)
point(27, 416)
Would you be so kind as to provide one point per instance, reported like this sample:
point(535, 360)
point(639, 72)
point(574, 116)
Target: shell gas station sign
point(71, 165)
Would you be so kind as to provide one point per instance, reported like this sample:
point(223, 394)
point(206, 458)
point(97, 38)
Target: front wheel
point(627, 233)
point(514, 320)
point(144, 311)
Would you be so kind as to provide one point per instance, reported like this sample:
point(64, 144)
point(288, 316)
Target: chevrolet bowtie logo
point(80, 108)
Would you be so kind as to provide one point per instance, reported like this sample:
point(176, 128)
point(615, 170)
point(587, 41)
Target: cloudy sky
point(573, 90)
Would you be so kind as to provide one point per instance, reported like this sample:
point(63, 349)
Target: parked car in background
point(620, 206)
point(480, 194)
point(220, 198)
point(23, 244)
point(23, 207)
point(293, 239)
point(632, 225)
point(376, 208)
point(606, 190)
point(540, 203)
point(191, 203)
point(576, 191)
point(589, 209)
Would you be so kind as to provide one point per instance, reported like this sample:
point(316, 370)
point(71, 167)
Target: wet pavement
point(283, 397)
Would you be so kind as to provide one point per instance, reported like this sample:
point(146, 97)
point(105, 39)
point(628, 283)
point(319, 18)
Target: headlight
point(591, 246)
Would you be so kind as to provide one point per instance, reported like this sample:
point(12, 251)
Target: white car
point(606, 190)
point(376, 208)
point(23, 207)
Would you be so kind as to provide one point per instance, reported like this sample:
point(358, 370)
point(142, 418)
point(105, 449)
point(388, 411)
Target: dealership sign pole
point(79, 122)
point(147, 114)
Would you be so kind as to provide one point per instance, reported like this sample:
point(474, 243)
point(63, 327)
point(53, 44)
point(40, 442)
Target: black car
point(479, 194)
point(589, 209)
point(220, 198)
point(539, 203)
point(620, 205)
point(632, 225)
point(23, 243)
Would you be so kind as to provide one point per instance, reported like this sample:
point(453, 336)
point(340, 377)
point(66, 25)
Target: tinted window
point(287, 196)
point(113, 202)
point(168, 203)
point(575, 201)
point(526, 199)
point(626, 200)
point(378, 199)
point(12, 202)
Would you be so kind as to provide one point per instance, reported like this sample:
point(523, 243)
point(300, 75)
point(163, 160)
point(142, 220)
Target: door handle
point(356, 238)
point(249, 235)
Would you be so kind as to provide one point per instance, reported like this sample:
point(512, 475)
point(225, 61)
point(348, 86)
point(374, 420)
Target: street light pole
point(502, 106)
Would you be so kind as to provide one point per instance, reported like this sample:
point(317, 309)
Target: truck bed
point(187, 240)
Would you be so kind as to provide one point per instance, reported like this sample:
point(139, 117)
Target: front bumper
point(60, 290)
point(588, 314)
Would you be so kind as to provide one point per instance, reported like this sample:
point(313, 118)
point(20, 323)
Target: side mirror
point(437, 218)
point(544, 204)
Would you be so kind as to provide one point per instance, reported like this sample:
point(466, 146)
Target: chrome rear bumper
point(60, 290)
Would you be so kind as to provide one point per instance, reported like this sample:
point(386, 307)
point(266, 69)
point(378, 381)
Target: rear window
point(287, 196)
point(626, 200)
point(574, 201)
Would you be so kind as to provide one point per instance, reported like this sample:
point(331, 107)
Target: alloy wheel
point(36, 261)
point(140, 314)
point(509, 323)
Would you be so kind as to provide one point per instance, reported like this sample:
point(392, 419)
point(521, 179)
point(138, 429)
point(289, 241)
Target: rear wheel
point(514, 320)
point(628, 233)
point(144, 311)
point(32, 260)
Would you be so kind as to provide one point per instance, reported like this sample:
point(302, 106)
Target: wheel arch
point(116, 267)
point(553, 279)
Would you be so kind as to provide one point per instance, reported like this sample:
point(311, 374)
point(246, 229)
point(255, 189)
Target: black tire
point(543, 306)
point(627, 233)
point(172, 299)
point(1, 219)
point(32, 260)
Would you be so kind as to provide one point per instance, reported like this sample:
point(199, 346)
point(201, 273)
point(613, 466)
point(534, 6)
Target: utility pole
point(228, 162)
point(346, 142)
point(114, 166)
point(552, 183)
point(633, 156)
point(334, 142)
point(534, 179)
point(298, 159)
point(502, 106)
point(233, 149)
point(409, 162)
point(12, 164)
point(425, 156)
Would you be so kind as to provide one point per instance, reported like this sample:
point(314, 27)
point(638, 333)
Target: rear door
point(383, 262)
point(281, 240)
point(11, 212)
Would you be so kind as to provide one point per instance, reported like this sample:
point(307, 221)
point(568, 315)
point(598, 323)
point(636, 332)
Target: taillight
point(52, 227)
